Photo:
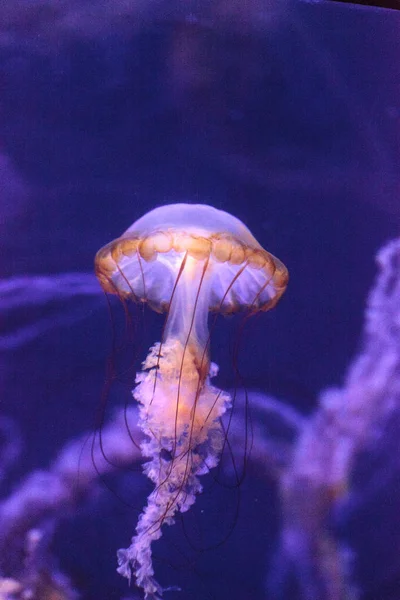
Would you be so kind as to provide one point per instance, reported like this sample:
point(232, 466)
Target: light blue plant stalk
point(347, 421)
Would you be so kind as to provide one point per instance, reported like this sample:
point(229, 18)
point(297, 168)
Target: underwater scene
point(199, 300)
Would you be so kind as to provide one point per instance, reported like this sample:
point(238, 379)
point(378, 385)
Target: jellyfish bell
point(185, 260)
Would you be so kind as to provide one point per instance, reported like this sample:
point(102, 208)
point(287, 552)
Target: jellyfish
point(183, 260)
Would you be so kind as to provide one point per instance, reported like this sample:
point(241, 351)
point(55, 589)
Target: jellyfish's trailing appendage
point(185, 260)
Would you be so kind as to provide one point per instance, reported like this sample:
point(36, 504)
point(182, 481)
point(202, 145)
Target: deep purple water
point(293, 126)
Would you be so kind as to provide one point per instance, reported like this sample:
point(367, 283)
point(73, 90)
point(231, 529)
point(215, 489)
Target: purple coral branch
point(346, 420)
point(32, 290)
point(29, 515)
point(51, 493)
point(25, 292)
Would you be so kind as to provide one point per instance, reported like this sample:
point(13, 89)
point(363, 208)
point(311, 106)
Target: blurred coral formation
point(313, 459)
point(348, 422)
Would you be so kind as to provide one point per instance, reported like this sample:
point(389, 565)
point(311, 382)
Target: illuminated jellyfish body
point(185, 260)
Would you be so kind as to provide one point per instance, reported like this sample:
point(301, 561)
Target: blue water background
point(291, 124)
